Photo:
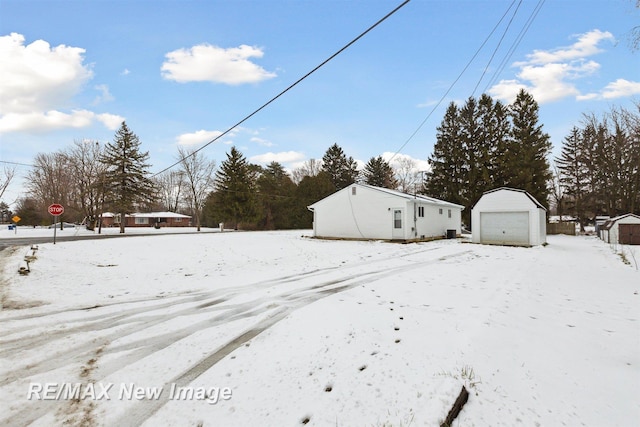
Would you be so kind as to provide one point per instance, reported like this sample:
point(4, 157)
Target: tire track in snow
point(132, 321)
point(142, 412)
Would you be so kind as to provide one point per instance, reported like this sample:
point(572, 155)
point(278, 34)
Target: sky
point(180, 73)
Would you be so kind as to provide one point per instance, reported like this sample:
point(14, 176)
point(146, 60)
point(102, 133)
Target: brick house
point(147, 219)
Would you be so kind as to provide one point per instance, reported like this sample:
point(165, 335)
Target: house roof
point(159, 215)
point(609, 223)
point(148, 215)
point(395, 193)
point(518, 190)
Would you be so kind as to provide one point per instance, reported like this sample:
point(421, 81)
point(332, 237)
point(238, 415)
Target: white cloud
point(587, 45)
point(37, 79)
point(104, 96)
point(282, 157)
point(261, 141)
point(552, 75)
point(620, 88)
point(212, 63)
point(198, 137)
point(125, 72)
point(110, 121)
point(54, 120)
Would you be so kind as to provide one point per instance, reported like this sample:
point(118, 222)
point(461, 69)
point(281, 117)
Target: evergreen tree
point(529, 147)
point(127, 177)
point(310, 190)
point(276, 191)
point(499, 133)
point(476, 152)
point(378, 172)
point(234, 199)
point(341, 169)
point(447, 177)
point(573, 174)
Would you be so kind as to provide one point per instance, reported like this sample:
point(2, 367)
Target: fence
point(561, 228)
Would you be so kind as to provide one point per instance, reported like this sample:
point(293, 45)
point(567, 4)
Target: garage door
point(629, 234)
point(504, 228)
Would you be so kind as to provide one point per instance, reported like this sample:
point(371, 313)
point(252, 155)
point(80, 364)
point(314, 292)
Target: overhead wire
point(515, 44)
point(450, 87)
point(16, 163)
point(345, 47)
point(504, 33)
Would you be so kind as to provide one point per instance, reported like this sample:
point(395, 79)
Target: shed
point(623, 229)
point(362, 211)
point(508, 216)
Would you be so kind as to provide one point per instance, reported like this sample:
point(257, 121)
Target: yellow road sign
point(16, 218)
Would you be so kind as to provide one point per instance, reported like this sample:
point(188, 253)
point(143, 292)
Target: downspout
point(313, 223)
point(415, 220)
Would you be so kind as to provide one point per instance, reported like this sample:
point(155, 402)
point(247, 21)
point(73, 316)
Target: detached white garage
point(509, 216)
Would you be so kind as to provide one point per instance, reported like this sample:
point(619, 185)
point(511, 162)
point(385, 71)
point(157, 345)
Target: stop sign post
point(56, 210)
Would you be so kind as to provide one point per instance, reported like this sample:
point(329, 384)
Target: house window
point(397, 219)
point(449, 213)
point(421, 211)
point(440, 211)
point(142, 220)
point(177, 220)
point(353, 191)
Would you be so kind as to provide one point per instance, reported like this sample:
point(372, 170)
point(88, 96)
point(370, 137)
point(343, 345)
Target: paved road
point(25, 241)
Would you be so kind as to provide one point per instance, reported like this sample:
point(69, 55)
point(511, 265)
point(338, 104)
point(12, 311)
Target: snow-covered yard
point(276, 329)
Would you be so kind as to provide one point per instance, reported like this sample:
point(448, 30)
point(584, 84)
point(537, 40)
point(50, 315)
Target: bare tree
point(7, 176)
point(634, 34)
point(198, 176)
point(407, 174)
point(311, 167)
point(50, 180)
point(557, 192)
point(171, 188)
point(87, 177)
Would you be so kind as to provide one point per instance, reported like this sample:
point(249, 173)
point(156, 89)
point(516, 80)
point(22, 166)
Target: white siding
point(434, 224)
point(612, 236)
point(504, 201)
point(367, 213)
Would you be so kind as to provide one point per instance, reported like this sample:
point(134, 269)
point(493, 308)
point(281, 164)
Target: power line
point(515, 44)
point(448, 90)
point(288, 88)
point(16, 163)
point(499, 42)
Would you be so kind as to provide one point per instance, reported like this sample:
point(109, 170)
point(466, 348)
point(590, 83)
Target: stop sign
point(56, 209)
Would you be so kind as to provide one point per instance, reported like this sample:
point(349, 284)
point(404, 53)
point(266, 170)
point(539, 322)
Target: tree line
point(598, 169)
point(486, 144)
point(90, 178)
point(481, 145)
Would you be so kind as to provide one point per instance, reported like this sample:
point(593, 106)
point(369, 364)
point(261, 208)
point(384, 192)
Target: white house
point(508, 216)
point(623, 229)
point(362, 211)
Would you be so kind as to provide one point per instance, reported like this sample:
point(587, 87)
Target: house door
point(397, 232)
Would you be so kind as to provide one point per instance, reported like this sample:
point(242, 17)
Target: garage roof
point(609, 223)
point(537, 203)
